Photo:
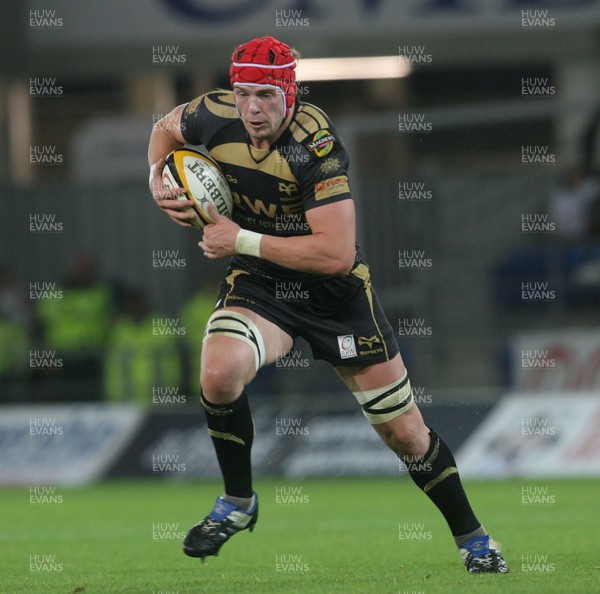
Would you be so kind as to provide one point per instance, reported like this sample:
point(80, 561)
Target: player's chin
point(258, 132)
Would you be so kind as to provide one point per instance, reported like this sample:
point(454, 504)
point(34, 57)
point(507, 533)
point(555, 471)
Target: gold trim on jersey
point(237, 153)
point(230, 279)
point(224, 107)
point(308, 120)
point(362, 272)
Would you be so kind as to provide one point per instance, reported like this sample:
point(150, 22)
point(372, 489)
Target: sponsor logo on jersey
point(263, 208)
point(322, 143)
point(331, 187)
point(330, 165)
point(347, 346)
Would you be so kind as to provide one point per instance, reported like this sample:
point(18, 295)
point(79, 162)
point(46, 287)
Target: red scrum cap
point(266, 61)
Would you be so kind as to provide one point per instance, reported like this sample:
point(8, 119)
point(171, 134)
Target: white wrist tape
point(152, 169)
point(248, 243)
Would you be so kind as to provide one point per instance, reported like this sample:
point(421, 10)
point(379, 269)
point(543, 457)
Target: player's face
point(261, 111)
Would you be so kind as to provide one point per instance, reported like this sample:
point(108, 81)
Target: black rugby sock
point(437, 476)
point(232, 431)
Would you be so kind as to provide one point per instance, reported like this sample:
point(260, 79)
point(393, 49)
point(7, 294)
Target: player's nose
point(253, 105)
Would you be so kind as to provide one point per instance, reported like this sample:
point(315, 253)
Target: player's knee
point(216, 387)
point(224, 373)
point(406, 438)
point(406, 435)
point(223, 379)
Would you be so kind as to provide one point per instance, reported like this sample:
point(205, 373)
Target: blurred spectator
point(590, 166)
point(570, 205)
point(140, 362)
point(14, 304)
point(589, 143)
point(594, 221)
point(16, 320)
point(76, 327)
point(77, 324)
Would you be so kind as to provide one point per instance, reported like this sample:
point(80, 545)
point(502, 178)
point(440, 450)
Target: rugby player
point(286, 163)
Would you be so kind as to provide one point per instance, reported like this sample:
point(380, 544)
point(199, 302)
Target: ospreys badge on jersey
point(322, 143)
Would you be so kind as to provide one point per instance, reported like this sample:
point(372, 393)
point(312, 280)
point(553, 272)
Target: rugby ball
point(203, 181)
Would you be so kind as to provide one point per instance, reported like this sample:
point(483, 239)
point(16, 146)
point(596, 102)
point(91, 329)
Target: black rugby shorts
point(339, 317)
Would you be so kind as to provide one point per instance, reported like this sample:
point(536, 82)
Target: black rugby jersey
point(271, 188)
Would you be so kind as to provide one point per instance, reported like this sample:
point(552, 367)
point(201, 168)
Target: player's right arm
point(166, 136)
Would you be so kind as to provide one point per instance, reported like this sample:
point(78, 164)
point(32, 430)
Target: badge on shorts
point(347, 346)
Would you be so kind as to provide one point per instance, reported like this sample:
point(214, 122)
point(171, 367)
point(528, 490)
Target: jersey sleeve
point(324, 177)
point(205, 115)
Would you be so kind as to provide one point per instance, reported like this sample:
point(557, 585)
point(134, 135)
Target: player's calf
point(432, 467)
point(436, 474)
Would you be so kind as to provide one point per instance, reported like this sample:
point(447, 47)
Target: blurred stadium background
point(475, 156)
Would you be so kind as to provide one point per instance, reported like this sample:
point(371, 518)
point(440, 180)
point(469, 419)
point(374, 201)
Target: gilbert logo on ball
point(202, 180)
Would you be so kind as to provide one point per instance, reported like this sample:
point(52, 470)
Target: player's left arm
point(330, 249)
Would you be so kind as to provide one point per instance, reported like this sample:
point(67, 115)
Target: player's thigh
point(277, 342)
point(371, 377)
point(238, 356)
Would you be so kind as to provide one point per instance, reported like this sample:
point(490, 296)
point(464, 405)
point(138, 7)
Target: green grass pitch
point(350, 536)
